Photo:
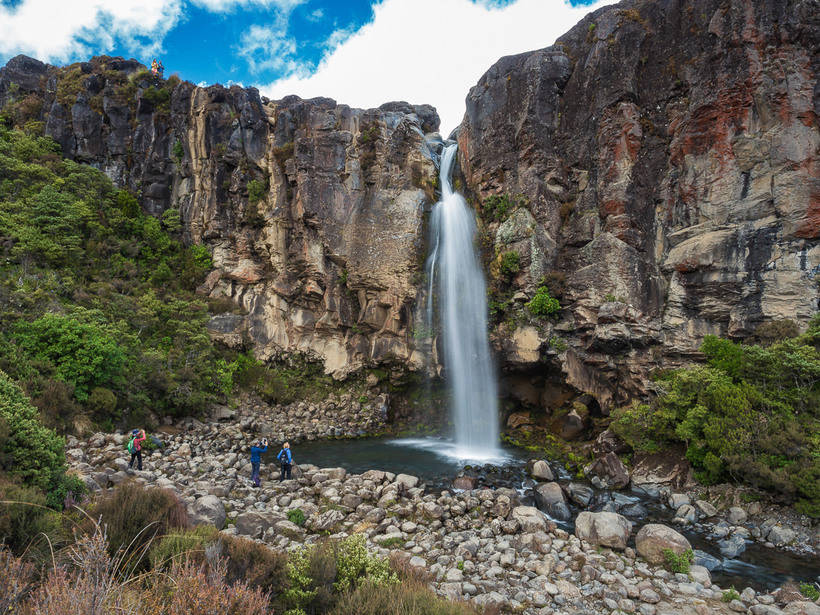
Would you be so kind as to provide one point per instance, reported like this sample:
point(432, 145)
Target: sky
point(360, 52)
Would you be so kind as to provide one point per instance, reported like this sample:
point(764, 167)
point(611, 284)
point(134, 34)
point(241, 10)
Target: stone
point(541, 471)
point(530, 519)
point(780, 535)
point(209, 509)
point(676, 500)
point(706, 509)
point(732, 546)
point(700, 574)
point(652, 539)
point(550, 498)
point(407, 481)
point(802, 607)
point(710, 562)
point(611, 470)
point(465, 483)
point(252, 524)
point(736, 515)
point(603, 528)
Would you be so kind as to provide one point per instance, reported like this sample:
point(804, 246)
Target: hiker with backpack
point(256, 460)
point(285, 457)
point(135, 447)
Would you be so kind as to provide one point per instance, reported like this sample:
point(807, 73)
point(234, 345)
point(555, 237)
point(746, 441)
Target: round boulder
point(607, 529)
point(653, 539)
point(209, 509)
point(541, 471)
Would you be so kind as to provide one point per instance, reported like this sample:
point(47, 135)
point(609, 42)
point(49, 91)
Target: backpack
point(130, 445)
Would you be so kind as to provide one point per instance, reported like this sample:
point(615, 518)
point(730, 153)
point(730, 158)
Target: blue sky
point(360, 52)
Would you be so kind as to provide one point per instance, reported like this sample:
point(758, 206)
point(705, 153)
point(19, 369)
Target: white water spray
point(455, 273)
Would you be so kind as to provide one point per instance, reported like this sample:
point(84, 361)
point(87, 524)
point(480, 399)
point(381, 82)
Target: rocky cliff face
point(664, 155)
point(313, 211)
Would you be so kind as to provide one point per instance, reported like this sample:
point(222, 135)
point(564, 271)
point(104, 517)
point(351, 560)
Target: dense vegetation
point(99, 319)
point(751, 414)
point(136, 547)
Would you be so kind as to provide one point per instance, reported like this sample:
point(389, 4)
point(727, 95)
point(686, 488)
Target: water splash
point(455, 274)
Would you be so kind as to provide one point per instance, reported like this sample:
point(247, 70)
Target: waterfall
point(455, 274)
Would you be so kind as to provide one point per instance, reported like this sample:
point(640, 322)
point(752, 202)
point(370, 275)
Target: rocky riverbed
point(481, 544)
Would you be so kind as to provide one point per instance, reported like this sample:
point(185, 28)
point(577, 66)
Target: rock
point(580, 494)
point(667, 468)
point(732, 546)
point(652, 539)
point(407, 481)
point(517, 419)
point(801, 608)
point(611, 470)
point(780, 535)
point(736, 515)
point(706, 509)
point(676, 500)
point(252, 524)
point(700, 574)
point(530, 519)
point(326, 521)
point(603, 528)
point(709, 562)
point(608, 442)
point(541, 471)
point(550, 498)
point(464, 482)
point(686, 513)
point(209, 509)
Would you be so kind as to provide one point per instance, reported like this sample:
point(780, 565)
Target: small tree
point(542, 304)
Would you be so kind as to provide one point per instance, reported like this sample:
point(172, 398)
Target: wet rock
point(736, 515)
point(464, 482)
point(706, 509)
point(780, 535)
point(710, 562)
point(603, 528)
point(580, 494)
point(541, 471)
point(610, 469)
point(652, 539)
point(550, 498)
point(732, 546)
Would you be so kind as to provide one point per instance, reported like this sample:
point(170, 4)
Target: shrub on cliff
point(542, 304)
point(751, 414)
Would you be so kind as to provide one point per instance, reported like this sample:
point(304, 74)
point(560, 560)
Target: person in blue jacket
point(285, 457)
point(256, 452)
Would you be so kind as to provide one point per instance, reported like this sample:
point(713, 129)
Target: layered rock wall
point(313, 211)
point(665, 154)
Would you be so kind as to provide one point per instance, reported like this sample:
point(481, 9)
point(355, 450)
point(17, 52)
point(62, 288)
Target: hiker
point(135, 447)
point(285, 457)
point(256, 459)
point(160, 68)
point(154, 67)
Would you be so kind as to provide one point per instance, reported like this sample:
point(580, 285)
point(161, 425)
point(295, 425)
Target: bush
point(408, 598)
point(498, 207)
point(177, 547)
point(28, 449)
point(730, 594)
point(133, 516)
point(810, 591)
point(296, 516)
point(678, 563)
point(509, 264)
point(16, 581)
point(751, 414)
point(256, 190)
point(542, 304)
point(25, 519)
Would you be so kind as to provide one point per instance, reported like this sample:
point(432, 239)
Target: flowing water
point(457, 283)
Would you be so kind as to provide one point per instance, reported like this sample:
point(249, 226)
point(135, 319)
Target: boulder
point(208, 509)
point(550, 498)
point(733, 546)
point(653, 539)
point(407, 481)
point(465, 483)
point(780, 535)
point(580, 494)
point(530, 519)
point(607, 529)
point(252, 524)
point(706, 509)
point(541, 471)
point(736, 515)
point(611, 470)
point(803, 607)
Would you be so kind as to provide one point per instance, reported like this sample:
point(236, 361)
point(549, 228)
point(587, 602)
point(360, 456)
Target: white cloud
point(225, 6)
point(315, 15)
point(59, 30)
point(268, 48)
point(404, 55)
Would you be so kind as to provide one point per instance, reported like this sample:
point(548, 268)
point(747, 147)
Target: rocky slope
point(658, 165)
point(313, 211)
point(665, 155)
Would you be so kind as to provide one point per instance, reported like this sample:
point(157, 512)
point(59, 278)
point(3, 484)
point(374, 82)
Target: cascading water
point(455, 274)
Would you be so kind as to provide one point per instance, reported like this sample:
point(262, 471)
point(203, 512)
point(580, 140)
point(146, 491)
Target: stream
point(435, 461)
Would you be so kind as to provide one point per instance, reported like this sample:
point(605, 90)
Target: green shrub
point(810, 591)
point(498, 207)
point(751, 414)
point(134, 515)
point(678, 563)
point(82, 352)
point(256, 190)
point(509, 264)
point(730, 594)
point(178, 151)
point(178, 546)
point(296, 516)
point(28, 450)
point(542, 304)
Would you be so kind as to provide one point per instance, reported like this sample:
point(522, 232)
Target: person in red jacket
point(135, 447)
